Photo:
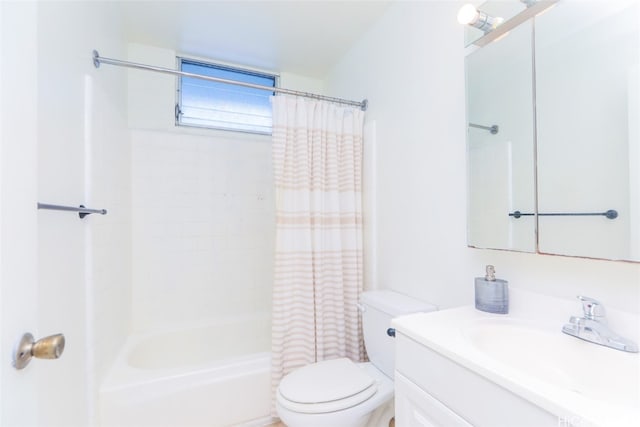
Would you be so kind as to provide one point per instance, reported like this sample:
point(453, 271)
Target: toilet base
point(382, 416)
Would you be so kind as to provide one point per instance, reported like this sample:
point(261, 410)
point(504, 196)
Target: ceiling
point(305, 37)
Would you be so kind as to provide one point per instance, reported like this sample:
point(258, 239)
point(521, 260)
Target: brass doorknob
point(50, 347)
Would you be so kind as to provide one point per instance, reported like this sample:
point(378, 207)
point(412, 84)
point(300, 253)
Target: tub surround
point(558, 393)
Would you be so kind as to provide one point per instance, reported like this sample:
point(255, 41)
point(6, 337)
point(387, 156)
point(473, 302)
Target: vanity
point(464, 367)
point(553, 161)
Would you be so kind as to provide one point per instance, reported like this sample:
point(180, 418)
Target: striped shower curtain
point(317, 157)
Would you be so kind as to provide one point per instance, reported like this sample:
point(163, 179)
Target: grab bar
point(82, 211)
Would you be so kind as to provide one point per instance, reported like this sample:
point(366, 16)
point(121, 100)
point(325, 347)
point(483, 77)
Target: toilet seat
point(327, 386)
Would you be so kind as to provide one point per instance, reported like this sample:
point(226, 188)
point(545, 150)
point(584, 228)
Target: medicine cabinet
point(553, 114)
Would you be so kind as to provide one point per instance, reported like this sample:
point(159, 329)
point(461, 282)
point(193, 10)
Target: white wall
point(410, 66)
point(203, 208)
point(633, 122)
point(414, 83)
point(108, 185)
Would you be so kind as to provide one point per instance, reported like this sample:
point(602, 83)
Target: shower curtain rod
point(97, 60)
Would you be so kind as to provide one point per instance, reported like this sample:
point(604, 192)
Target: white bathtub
point(218, 375)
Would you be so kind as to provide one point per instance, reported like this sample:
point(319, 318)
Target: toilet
point(339, 392)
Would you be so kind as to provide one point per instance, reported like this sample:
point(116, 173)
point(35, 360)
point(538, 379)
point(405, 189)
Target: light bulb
point(467, 14)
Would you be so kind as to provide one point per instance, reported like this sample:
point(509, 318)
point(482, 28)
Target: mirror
point(588, 128)
point(500, 162)
point(577, 119)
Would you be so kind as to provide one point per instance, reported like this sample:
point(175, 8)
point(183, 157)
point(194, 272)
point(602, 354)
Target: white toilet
point(339, 392)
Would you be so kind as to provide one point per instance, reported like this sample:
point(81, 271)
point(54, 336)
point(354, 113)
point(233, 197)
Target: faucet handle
point(593, 309)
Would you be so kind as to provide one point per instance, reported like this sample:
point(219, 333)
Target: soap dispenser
point(492, 295)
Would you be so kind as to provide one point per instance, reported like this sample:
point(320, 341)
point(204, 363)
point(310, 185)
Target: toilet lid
point(326, 386)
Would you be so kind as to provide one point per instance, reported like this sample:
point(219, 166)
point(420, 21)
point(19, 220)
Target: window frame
point(220, 66)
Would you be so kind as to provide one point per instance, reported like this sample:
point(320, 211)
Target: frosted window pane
point(225, 106)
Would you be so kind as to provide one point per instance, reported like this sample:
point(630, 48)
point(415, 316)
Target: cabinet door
point(415, 407)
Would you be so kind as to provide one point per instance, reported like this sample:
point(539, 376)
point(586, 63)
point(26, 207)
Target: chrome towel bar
point(82, 211)
point(492, 129)
point(611, 214)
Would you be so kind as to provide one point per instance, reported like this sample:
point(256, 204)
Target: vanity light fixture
point(469, 15)
point(529, 3)
point(534, 8)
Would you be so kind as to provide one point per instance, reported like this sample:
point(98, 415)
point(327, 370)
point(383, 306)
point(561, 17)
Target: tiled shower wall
point(203, 227)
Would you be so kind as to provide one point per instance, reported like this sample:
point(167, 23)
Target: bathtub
point(215, 375)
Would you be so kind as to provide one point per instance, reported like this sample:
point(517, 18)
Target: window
point(217, 105)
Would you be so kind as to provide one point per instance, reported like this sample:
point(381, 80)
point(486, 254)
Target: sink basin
point(584, 368)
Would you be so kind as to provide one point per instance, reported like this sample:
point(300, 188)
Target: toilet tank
point(378, 308)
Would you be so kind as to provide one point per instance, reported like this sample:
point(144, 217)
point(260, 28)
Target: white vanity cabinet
point(432, 390)
point(416, 408)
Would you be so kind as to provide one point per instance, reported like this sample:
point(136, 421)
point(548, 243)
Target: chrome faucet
point(593, 327)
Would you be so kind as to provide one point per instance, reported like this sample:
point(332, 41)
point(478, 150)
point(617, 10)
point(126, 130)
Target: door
point(18, 220)
point(41, 252)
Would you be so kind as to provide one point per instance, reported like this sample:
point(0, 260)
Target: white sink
point(588, 369)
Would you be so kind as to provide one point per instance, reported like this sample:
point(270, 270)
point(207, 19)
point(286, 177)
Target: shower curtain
point(317, 157)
